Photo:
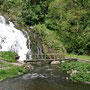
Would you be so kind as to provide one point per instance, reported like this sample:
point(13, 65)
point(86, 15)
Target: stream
point(39, 77)
point(42, 78)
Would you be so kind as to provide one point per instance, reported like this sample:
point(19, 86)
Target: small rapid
point(12, 39)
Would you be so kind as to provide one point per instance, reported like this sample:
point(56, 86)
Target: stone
point(55, 63)
point(17, 57)
point(62, 61)
point(74, 72)
point(28, 66)
point(31, 27)
point(67, 78)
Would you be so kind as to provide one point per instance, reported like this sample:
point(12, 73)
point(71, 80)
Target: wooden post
point(54, 57)
point(45, 56)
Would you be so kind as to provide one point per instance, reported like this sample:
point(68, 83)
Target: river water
point(42, 78)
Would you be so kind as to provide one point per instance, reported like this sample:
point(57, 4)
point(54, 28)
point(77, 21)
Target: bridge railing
point(52, 56)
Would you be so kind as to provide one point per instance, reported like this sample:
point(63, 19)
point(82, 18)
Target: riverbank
point(42, 77)
point(81, 57)
point(9, 67)
point(78, 71)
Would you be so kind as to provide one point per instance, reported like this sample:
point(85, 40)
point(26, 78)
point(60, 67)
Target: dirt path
point(18, 64)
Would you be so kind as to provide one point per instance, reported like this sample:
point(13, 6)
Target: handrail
point(46, 54)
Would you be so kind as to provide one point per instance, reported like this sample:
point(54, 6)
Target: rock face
point(55, 63)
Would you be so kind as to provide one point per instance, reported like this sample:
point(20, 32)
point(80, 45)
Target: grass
point(82, 57)
point(6, 68)
point(12, 72)
point(8, 56)
point(3, 64)
point(82, 71)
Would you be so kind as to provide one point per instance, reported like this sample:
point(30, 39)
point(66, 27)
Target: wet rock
point(74, 72)
point(19, 73)
point(67, 78)
point(27, 66)
point(17, 57)
point(88, 72)
point(87, 83)
point(55, 63)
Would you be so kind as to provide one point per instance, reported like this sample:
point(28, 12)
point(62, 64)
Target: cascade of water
point(12, 39)
point(26, 33)
point(2, 20)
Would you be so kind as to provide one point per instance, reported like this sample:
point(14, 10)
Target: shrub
point(83, 71)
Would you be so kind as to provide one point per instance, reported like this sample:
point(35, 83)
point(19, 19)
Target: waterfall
point(12, 39)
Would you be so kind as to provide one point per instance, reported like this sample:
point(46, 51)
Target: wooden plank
point(45, 60)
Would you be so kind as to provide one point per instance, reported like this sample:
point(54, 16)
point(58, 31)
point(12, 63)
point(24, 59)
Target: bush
point(50, 38)
point(1, 1)
point(83, 71)
point(34, 11)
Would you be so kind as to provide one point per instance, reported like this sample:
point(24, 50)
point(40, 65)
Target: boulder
point(55, 63)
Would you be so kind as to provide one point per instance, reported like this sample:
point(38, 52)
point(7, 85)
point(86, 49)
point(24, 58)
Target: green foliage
point(8, 56)
point(71, 19)
point(49, 37)
point(12, 72)
point(7, 4)
point(83, 71)
point(7, 69)
point(12, 7)
point(34, 11)
point(1, 1)
point(3, 64)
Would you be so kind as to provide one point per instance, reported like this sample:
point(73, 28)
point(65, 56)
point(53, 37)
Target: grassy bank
point(7, 69)
point(49, 38)
point(8, 56)
point(82, 57)
point(79, 71)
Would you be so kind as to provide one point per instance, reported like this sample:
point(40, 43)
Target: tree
point(34, 11)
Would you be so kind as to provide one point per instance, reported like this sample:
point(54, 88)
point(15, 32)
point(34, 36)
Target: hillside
point(63, 26)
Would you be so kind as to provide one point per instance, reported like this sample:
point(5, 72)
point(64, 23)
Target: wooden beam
point(45, 60)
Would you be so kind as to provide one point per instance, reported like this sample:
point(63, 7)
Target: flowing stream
point(42, 78)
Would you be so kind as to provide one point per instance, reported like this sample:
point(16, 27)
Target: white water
point(12, 39)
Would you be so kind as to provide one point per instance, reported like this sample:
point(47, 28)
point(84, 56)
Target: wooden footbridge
point(49, 58)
